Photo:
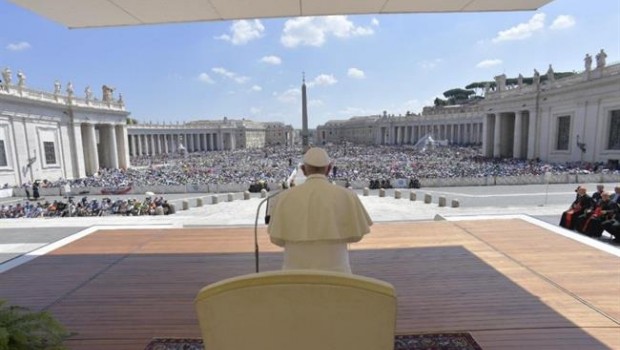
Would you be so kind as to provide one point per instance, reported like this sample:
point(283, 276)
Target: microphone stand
point(256, 227)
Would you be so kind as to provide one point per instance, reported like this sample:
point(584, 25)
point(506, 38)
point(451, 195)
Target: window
point(3, 161)
point(614, 130)
point(563, 133)
point(50, 153)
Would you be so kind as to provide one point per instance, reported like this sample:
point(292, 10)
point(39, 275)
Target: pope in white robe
point(316, 220)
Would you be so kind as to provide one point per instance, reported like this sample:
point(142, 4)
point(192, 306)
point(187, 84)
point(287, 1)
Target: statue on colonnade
point(57, 88)
point(69, 89)
point(520, 80)
point(601, 59)
point(500, 80)
point(107, 93)
point(6, 77)
point(588, 62)
point(536, 78)
point(550, 74)
point(88, 93)
point(21, 79)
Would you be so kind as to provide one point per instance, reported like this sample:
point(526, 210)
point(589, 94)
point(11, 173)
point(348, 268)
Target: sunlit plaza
point(474, 247)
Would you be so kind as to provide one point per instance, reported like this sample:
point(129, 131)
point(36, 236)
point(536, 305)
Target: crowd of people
point(68, 207)
point(377, 166)
point(592, 215)
point(351, 163)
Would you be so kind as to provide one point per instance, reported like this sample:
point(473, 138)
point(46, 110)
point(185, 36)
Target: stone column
point(497, 134)
point(153, 152)
point(139, 144)
point(107, 134)
point(516, 146)
point(90, 149)
point(166, 145)
point(122, 146)
point(532, 136)
point(77, 157)
point(112, 146)
point(134, 145)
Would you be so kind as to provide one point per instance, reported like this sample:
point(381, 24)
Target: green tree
point(458, 95)
point(440, 102)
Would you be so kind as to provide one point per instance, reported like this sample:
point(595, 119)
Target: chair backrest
point(297, 309)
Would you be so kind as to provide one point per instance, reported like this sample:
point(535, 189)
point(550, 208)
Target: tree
point(440, 102)
point(458, 95)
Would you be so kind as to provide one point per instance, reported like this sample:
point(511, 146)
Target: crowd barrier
point(396, 183)
point(6, 192)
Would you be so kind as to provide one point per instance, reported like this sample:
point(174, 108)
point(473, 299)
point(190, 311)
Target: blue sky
point(354, 65)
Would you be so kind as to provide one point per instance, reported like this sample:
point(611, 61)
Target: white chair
point(297, 310)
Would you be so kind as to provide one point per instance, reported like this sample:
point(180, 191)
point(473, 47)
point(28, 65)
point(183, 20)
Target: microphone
point(267, 218)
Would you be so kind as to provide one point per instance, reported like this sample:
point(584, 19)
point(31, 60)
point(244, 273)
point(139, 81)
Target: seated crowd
point(85, 207)
point(592, 215)
point(352, 163)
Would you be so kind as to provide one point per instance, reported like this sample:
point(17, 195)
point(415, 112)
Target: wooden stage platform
point(512, 284)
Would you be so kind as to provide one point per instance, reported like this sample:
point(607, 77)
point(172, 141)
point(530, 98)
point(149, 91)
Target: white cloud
point(323, 80)
point(356, 111)
point(430, 64)
point(374, 22)
point(563, 22)
point(356, 73)
point(240, 79)
point(255, 110)
point(315, 103)
point(489, 63)
point(291, 95)
point(205, 78)
point(20, 46)
point(256, 88)
point(275, 60)
point(522, 30)
point(313, 31)
point(243, 31)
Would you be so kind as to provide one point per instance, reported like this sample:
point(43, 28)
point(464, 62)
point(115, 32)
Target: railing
point(48, 97)
point(579, 77)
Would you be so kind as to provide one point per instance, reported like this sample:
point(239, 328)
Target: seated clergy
point(578, 208)
point(314, 221)
point(603, 211)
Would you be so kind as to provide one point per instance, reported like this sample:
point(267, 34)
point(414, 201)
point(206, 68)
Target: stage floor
point(511, 283)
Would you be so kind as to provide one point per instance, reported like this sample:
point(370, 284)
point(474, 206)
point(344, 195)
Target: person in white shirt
point(316, 220)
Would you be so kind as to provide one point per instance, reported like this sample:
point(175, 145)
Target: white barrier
point(396, 183)
point(6, 192)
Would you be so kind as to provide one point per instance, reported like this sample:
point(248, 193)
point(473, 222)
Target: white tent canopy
point(104, 13)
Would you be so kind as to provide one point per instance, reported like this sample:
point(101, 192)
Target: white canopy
point(104, 13)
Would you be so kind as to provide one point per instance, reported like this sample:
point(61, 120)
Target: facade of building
point(460, 125)
point(576, 118)
point(56, 135)
point(206, 135)
point(278, 133)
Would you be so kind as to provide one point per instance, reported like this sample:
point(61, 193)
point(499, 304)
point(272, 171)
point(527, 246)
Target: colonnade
point(163, 143)
point(459, 133)
point(105, 146)
point(507, 135)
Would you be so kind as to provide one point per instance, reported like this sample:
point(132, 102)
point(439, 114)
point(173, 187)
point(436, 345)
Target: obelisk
point(304, 115)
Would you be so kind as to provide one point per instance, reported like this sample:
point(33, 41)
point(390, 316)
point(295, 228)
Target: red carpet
point(431, 341)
